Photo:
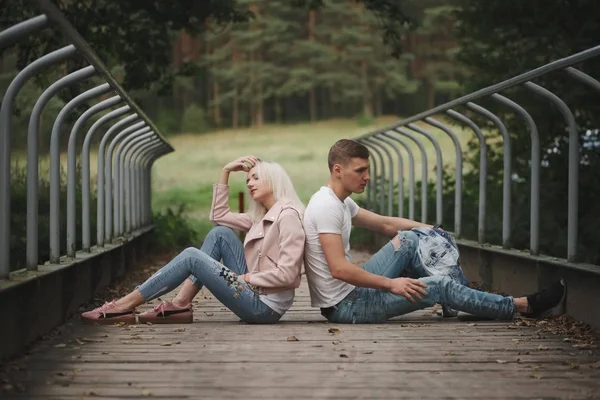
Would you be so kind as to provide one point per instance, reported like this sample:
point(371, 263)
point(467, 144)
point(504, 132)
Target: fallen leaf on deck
point(60, 345)
point(146, 393)
point(292, 339)
point(448, 353)
point(177, 342)
point(343, 356)
point(166, 344)
point(367, 352)
point(179, 330)
point(90, 340)
point(571, 364)
point(585, 346)
point(542, 347)
point(209, 314)
point(334, 331)
point(595, 365)
point(336, 342)
point(536, 376)
point(501, 361)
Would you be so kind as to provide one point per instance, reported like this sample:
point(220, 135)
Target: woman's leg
point(220, 243)
point(220, 280)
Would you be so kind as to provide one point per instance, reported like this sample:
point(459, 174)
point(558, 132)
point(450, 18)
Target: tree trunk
point(235, 117)
point(312, 18)
point(277, 110)
point(367, 95)
point(378, 102)
point(216, 106)
point(430, 93)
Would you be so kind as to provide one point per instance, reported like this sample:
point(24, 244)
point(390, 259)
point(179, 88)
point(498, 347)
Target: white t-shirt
point(326, 213)
point(279, 302)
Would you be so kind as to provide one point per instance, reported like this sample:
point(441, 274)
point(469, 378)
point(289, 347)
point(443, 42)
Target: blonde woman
point(256, 279)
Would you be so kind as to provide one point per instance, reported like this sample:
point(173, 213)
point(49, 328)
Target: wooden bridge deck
point(417, 356)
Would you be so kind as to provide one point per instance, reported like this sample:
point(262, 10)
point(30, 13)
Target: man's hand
point(410, 288)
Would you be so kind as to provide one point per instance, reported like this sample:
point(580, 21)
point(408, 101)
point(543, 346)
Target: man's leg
point(220, 243)
point(397, 258)
point(365, 305)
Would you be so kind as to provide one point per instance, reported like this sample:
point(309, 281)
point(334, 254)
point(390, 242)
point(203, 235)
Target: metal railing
point(123, 187)
point(379, 141)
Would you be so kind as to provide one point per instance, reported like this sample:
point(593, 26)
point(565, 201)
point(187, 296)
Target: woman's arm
point(291, 254)
point(220, 212)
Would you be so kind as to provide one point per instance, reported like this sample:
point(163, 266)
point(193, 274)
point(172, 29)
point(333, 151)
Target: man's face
point(354, 175)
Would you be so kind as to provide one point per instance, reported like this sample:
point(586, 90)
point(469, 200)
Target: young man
point(350, 294)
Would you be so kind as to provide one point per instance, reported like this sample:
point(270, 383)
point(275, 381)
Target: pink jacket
point(274, 247)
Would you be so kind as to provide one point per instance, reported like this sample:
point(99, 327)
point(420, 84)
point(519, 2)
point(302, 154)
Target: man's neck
point(339, 190)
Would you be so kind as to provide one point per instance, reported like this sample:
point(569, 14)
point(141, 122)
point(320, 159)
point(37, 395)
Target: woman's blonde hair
point(280, 183)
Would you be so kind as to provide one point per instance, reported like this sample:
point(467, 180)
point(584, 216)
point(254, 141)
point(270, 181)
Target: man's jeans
point(366, 305)
point(204, 269)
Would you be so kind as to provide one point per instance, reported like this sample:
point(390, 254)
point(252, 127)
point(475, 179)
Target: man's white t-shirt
point(326, 213)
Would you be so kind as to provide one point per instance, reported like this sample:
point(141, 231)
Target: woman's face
point(258, 187)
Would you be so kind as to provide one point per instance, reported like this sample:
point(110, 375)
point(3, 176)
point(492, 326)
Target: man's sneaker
point(168, 313)
point(109, 314)
point(542, 303)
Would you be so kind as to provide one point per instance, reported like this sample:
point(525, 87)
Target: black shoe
point(543, 302)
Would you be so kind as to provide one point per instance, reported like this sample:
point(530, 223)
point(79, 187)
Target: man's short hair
point(345, 149)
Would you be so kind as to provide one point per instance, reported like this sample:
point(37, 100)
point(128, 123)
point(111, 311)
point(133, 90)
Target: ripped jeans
point(366, 305)
point(204, 269)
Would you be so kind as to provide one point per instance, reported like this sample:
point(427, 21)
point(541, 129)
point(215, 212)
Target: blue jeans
point(204, 269)
point(366, 305)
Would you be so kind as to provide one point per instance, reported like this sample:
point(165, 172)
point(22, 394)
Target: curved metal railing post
point(400, 173)
point(6, 110)
point(72, 166)
point(411, 171)
point(55, 167)
point(424, 180)
point(390, 180)
point(534, 218)
point(573, 199)
point(147, 167)
point(11, 35)
point(137, 197)
point(105, 169)
point(482, 171)
point(372, 185)
point(126, 181)
point(458, 168)
point(32, 257)
point(507, 176)
point(118, 143)
point(438, 169)
point(85, 183)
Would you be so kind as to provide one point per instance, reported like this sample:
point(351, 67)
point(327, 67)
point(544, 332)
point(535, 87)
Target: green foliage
point(173, 230)
point(18, 216)
point(364, 120)
point(503, 38)
point(194, 120)
point(136, 34)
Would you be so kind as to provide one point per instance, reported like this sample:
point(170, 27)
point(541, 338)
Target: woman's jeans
point(366, 305)
point(204, 269)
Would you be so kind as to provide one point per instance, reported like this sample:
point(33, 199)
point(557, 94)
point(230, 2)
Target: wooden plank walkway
point(418, 356)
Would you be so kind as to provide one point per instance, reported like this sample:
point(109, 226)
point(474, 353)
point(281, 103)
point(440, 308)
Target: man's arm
point(388, 226)
point(341, 269)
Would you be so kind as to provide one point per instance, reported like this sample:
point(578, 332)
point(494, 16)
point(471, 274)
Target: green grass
point(187, 175)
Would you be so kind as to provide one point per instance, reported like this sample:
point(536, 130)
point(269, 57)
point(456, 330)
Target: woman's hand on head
point(241, 164)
